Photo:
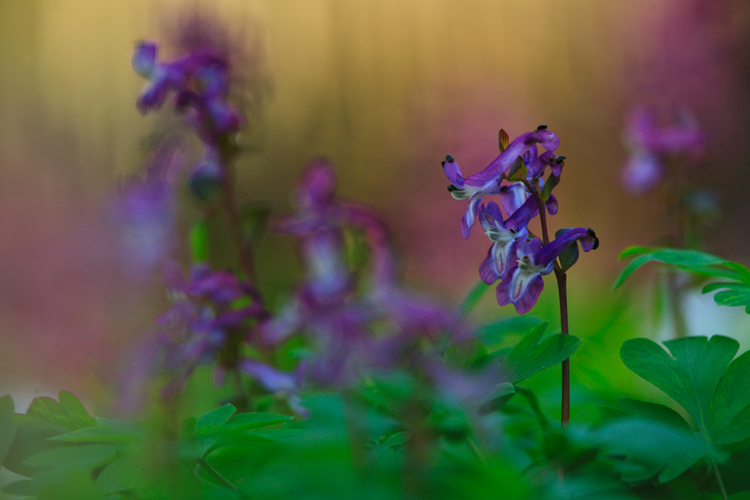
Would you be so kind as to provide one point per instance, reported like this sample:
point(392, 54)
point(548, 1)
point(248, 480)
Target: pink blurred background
point(384, 88)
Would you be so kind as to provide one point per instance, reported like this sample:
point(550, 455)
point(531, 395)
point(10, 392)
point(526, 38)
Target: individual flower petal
point(470, 216)
point(144, 58)
point(494, 265)
point(551, 205)
point(551, 251)
point(537, 167)
point(522, 290)
point(513, 196)
point(453, 171)
point(316, 190)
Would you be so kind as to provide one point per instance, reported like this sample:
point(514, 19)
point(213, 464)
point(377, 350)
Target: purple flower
point(494, 265)
point(650, 145)
point(283, 385)
point(144, 212)
point(200, 82)
point(487, 182)
point(530, 260)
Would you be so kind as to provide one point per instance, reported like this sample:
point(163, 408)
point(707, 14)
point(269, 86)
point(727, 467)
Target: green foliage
point(652, 448)
point(8, 426)
point(531, 356)
point(472, 298)
point(699, 376)
point(199, 241)
point(734, 293)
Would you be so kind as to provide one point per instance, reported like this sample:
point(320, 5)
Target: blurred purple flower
point(283, 385)
point(530, 260)
point(200, 82)
point(144, 213)
point(357, 320)
point(651, 145)
point(209, 310)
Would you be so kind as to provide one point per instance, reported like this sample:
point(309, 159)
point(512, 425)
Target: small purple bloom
point(487, 182)
point(200, 83)
point(530, 260)
point(494, 265)
point(650, 145)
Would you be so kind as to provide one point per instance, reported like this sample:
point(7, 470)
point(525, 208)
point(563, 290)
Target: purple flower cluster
point(357, 319)
point(651, 145)
point(200, 84)
point(515, 257)
point(212, 317)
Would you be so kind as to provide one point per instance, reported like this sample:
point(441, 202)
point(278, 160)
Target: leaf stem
point(719, 480)
point(474, 447)
point(534, 404)
point(220, 479)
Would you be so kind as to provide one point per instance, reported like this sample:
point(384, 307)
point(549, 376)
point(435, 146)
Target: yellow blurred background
point(384, 88)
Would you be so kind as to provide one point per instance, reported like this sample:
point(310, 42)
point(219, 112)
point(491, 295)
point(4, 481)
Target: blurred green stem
point(220, 479)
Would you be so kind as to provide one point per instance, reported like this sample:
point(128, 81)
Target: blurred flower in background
point(655, 149)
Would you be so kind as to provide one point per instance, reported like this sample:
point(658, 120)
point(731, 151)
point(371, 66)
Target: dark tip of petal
point(452, 188)
point(560, 159)
point(542, 127)
point(442, 163)
point(596, 240)
point(449, 159)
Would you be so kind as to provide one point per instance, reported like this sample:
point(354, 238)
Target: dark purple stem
point(563, 294)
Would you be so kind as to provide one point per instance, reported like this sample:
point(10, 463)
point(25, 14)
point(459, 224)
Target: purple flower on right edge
point(652, 145)
point(517, 257)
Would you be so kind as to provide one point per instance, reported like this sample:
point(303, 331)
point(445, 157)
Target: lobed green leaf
point(530, 356)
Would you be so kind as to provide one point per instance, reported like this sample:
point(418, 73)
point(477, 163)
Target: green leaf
point(690, 376)
point(730, 410)
point(473, 297)
point(494, 335)
point(655, 412)
point(693, 261)
point(8, 426)
point(518, 171)
point(68, 413)
point(65, 484)
point(199, 241)
point(215, 418)
point(85, 457)
point(552, 181)
point(20, 488)
point(44, 419)
point(653, 448)
point(107, 431)
point(464, 353)
point(256, 420)
point(733, 294)
point(530, 357)
point(569, 255)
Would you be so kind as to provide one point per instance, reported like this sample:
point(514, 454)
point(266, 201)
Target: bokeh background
point(384, 88)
